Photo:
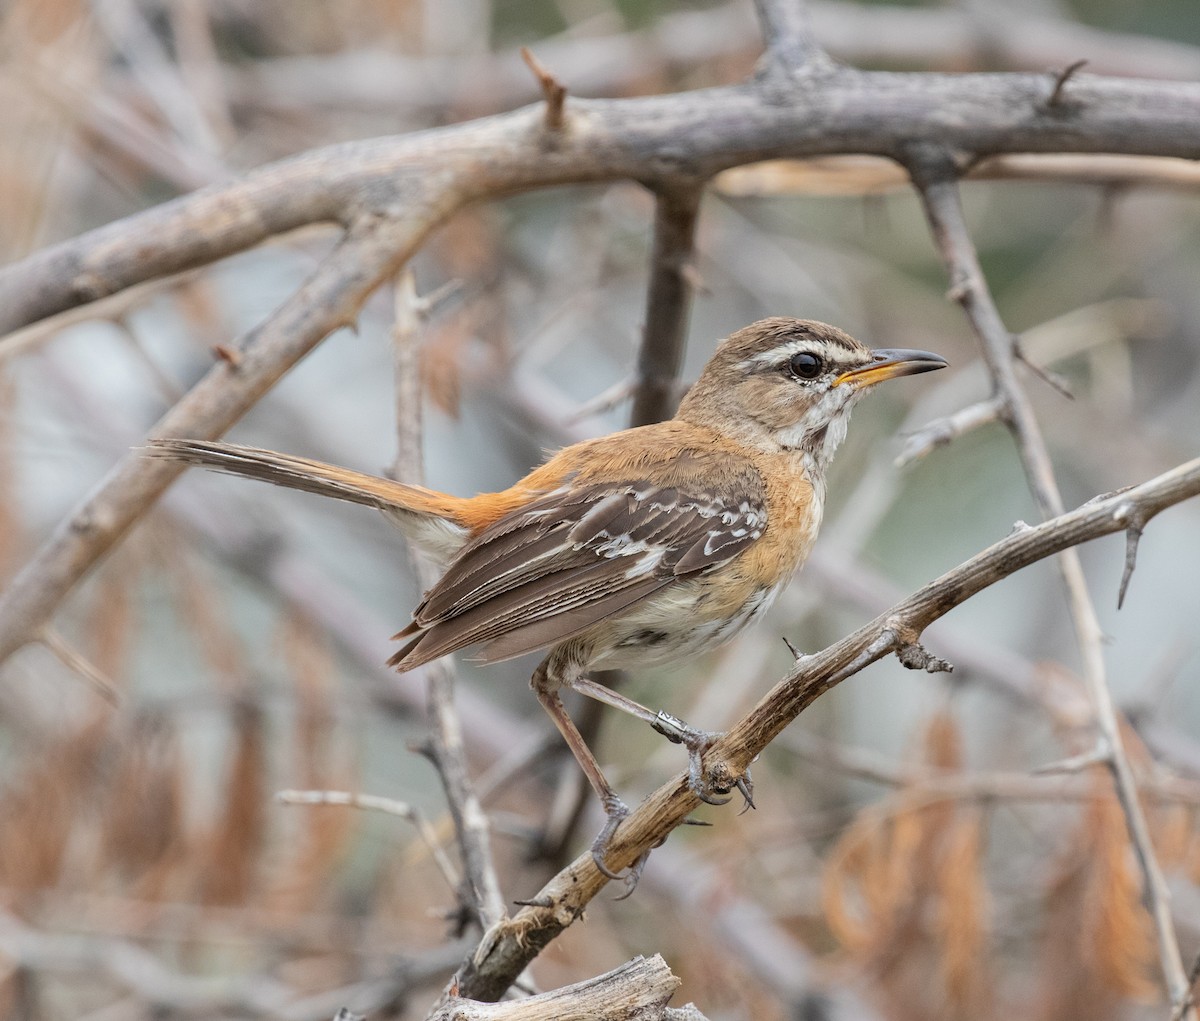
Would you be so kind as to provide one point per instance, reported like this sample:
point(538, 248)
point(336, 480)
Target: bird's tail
point(433, 520)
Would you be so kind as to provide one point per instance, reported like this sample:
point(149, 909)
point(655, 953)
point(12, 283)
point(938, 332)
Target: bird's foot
point(617, 811)
point(707, 788)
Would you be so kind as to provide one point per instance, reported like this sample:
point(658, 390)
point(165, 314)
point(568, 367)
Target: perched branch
point(512, 944)
point(668, 302)
point(935, 175)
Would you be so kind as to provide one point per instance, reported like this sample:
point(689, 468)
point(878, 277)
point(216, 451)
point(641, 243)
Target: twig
point(1097, 756)
point(100, 682)
point(604, 401)
point(935, 175)
point(946, 430)
point(668, 302)
point(446, 739)
point(509, 946)
point(389, 806)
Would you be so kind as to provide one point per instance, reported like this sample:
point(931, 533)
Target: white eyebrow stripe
point(781, 353)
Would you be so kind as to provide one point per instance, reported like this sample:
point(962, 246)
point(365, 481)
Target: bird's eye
point(805, 365)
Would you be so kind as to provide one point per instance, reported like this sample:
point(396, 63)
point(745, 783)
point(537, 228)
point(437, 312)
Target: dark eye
point(805, 365)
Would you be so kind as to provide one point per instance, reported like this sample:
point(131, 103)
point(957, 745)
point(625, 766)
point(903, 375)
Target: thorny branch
point(509, 946)
point(935, 174)
point(391, 192)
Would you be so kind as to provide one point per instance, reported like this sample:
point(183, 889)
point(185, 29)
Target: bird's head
point(790, 384)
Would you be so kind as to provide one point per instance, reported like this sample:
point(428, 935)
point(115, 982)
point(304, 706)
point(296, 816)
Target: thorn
point(1051, 379)
point(797, 655)
point(537, 902)
point(554, 91)
point(1133, 535)
point(1060, 80)
point(231, 356)
point(959, 289)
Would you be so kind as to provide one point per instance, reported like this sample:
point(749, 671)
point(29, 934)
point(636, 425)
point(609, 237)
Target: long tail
point(433, 520)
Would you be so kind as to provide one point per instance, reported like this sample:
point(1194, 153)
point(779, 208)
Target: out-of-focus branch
point(935, 174)
point(661, 140)
point(330, 299)
point(128, 965)
point(509, 946)
point(873, 175)
point(942, 38)
point(668, 302)
point(445, 747)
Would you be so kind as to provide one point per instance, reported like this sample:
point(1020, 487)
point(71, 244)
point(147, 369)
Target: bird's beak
point(890, 363)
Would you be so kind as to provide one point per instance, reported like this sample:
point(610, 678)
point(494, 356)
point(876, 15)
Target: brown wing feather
point(577, 556)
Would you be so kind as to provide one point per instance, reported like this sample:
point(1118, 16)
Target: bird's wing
point(576, 556)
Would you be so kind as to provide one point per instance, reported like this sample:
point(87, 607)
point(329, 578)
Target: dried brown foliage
point(1097, 947)
point(905, 894)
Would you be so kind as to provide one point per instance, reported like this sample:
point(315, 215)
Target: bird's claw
point(617, 811)
point(697, 742)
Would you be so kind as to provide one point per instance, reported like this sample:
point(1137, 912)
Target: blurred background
point(903, 862)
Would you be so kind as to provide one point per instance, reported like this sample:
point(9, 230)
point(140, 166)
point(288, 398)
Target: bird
point(636, 548)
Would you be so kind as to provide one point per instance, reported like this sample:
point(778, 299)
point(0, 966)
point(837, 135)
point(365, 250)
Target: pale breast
point(683, 621)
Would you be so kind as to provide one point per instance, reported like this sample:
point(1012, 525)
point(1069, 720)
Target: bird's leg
point(546, 681)
point(675, 730)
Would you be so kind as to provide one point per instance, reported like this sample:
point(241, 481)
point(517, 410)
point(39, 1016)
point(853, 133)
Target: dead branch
point(636, 991)
point(509, 946)
point(935, 175)
point(654, 139)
